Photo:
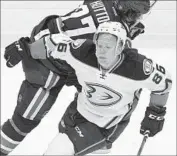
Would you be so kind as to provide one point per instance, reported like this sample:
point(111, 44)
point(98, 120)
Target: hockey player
point(45, 78)
point(83, 21)
point(111, 78)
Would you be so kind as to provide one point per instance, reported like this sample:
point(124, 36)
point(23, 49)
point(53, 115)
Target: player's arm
point(39, 49)
point(56, 46)
point(17, 50)
point(60, 46)
point(159, 83)
point(49, 25)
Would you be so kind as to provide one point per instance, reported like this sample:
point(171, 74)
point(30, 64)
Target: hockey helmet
point(113, 28)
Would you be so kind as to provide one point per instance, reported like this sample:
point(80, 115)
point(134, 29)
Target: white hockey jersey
point(106, 98)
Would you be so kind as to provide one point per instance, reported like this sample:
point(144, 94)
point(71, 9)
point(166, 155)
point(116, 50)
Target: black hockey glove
point(153, 120)
point(16, 51)
point(136, 30)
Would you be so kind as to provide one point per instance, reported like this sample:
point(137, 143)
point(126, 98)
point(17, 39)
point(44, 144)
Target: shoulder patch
point(147, 66)
point(77, 43)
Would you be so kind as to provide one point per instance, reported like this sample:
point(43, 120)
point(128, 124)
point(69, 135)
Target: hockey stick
point(146, 135)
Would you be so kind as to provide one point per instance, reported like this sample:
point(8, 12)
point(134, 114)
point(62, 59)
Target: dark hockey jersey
point(80, 23)
point(108, 96)
point(83, 21)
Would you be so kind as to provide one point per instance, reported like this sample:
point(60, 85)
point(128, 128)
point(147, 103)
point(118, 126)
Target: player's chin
point(104, 67)
point(103, 63)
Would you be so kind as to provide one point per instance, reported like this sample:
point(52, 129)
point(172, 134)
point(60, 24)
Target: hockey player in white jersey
point(45, 78)
point(111, 78)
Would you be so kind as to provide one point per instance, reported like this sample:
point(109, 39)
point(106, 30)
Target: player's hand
point(136, 30)
point(16, 51)
point(128, 43)
point(153, 120)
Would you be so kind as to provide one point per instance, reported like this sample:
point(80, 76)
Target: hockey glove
point(136, 30)
point(16, 51)
point(153, 120)
point(128, 43)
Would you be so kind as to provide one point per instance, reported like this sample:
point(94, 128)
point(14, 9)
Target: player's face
point(105, 50)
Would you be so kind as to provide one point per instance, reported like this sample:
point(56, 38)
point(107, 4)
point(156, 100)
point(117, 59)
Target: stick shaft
point(143, 143)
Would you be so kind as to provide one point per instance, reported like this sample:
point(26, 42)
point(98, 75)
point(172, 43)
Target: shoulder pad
point(141, 66)
point(131, 54)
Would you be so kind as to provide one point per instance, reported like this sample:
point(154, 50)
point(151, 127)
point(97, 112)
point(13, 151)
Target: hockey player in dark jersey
point(45, 78)
point(83, 21)
point(111, 77)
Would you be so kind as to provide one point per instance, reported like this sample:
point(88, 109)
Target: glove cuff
point(157, 109)
point(24, 41)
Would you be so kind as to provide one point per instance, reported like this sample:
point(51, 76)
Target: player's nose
point(102, 51)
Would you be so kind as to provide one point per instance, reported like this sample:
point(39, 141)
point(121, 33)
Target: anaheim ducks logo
point(101, 95)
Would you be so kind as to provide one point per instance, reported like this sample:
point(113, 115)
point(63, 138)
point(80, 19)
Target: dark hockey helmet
point(133, 10)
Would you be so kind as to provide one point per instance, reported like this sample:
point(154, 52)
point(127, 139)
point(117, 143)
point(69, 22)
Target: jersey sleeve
point(66, 49)
point(158, 81)
point(60, 46)
point(75, 53)
point(54, 45)
point(45, 27)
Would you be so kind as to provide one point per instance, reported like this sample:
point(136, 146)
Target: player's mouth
point(102, 58)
